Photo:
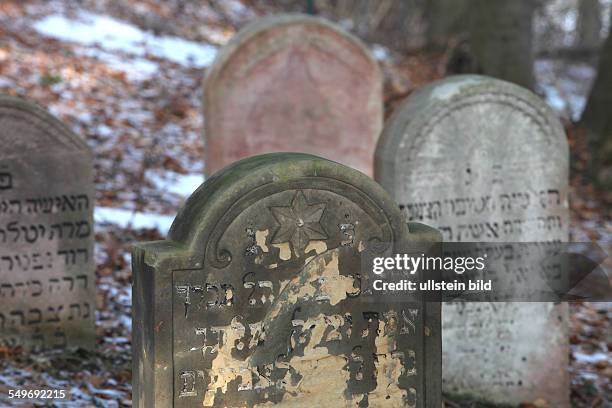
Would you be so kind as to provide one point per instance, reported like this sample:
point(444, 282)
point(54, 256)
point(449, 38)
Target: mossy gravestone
point(255, 299)
point(483, 160)
point(47, 286)
point(293, 83)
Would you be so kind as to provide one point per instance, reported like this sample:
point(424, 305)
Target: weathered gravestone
point(483, 160)
point(256, 298)
point(293, 83)
point(46, 231)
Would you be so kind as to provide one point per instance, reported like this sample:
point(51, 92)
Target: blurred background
point(126, 75)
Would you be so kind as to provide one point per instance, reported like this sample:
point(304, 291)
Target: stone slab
point(293, 83)
point(256, 297)
point(484, 160)
point(47, 281)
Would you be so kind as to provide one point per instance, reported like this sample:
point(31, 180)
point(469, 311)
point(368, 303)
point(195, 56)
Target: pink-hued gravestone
point(293, 83)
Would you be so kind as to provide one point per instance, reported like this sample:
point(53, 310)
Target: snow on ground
point(137, 69)
point(131, 219)
point(145, 128)
point(590, 358)
point(113, 35)
point(181, 184)
point(565, 85)
point(379, 52)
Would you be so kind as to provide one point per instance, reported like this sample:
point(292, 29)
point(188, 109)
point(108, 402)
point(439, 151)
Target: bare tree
point(397, 24)
point(597, 118)
point(499, 41)
point(588, 30)
point(445, 21)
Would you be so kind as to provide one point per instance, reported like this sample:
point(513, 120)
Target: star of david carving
point(299, 223)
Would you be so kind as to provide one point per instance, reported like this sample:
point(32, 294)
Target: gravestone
point(483, 160)
point(46, 231)
point(293, 83)
point(256, 298)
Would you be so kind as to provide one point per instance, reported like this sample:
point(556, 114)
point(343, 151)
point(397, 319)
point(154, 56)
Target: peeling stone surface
point(295, 331)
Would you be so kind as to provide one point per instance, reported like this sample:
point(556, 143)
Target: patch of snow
point(602, 306)
point(569, 20)
point(603, 228)
point(126, 321)
point(136, 68)
point(237, 7)
point(116, 340)
point(171, 129)
point(346, 23)
point(126, 218)
point(184, 52)
point(582, 71)
point(565, 86)
point(605, 13)
point(589, 376)
point(379, 52)
point(114, 35)
point(553, 98)
point(590, 358)
point(6, 83)
point(556, 24)
point(104, 131)
point(181, 184)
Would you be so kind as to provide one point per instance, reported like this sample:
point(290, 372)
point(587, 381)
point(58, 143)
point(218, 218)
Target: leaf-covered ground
point(126, 75)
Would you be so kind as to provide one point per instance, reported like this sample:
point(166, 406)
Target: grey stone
point(293, 83)
point(47, 281)
point(256, 298)
point(485, 160)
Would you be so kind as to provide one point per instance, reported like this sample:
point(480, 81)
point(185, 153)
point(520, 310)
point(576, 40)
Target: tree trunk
point(588, 30)
point(445, 21)
point(499, 41)
point(597, 118)
point(397, 24)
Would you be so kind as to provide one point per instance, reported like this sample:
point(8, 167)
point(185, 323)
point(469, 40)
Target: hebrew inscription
point(272, 314)
point(46, 232)
point(486, 161)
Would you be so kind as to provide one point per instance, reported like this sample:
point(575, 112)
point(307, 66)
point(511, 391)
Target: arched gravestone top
point(293, 83)
point(255, 178)
point(26, 128)
point(255, 298)
point(47, 279)
point(461, 115)
point(484, 160)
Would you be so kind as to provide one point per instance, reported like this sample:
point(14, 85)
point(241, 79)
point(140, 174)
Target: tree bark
point(445, 21)
point(597, 118)
point(588, 30)
point(500, 41)
point(397, 24)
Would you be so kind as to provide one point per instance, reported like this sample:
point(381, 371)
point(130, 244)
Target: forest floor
point(126, 75)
